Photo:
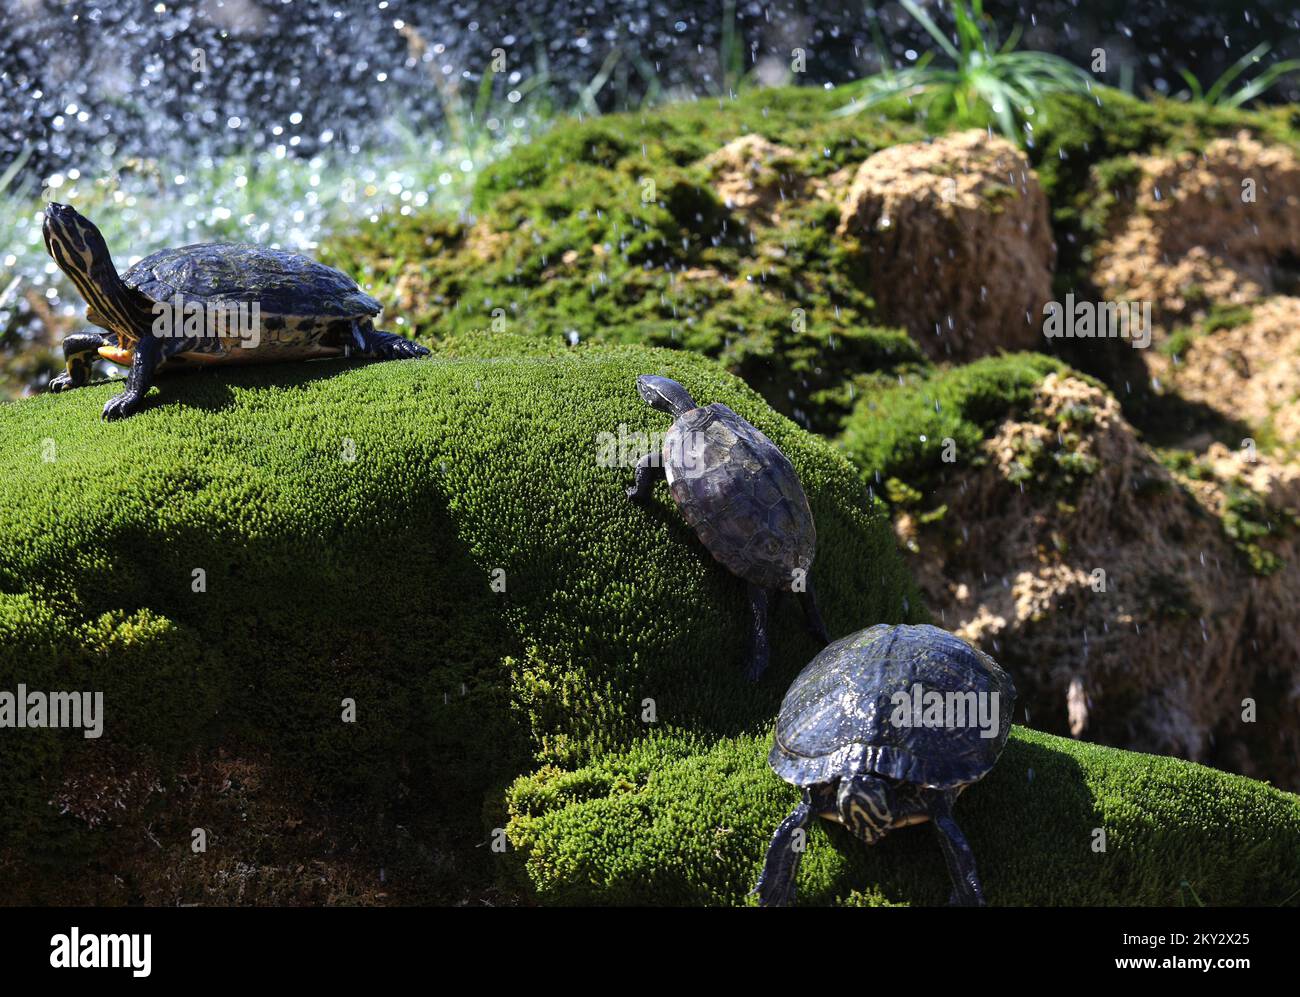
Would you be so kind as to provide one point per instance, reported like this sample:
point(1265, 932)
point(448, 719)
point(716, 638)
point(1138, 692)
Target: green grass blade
point(932, 29)
point(1220, 85)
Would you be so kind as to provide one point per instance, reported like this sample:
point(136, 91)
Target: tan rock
point(955, 238)
point(1193, 234)
point(486, 242)
point(1249, 373)
point(753, 178)
point(1112, 594)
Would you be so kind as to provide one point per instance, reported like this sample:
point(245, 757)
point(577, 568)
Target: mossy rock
point(607, 230)
point(914, 432)
point(257, 546)
point(687, 821)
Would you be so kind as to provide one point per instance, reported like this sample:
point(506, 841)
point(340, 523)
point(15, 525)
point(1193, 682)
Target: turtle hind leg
point(79, 352)
point(776, 883)
point(758, 645)
point(813, 616)
point(370, 343)
point(966, 888)
point(649, 469)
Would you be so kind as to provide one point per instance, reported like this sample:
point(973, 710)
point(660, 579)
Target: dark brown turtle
point(242, 304)
point(882, 730)
point(742, 497)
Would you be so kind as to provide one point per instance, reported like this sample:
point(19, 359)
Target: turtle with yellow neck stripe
point(210, 304)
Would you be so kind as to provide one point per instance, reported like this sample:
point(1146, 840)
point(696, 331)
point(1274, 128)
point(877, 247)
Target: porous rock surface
point(1111, 592)
point(1222, 226)
point(955, 236)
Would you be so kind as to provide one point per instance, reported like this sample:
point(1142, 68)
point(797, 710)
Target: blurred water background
point(278, 120)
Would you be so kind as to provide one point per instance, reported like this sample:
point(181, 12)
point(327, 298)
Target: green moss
point(677, 135)
point(607, 230)
point(783, 311)
point(1247, 520)
point(1179, 342)
point(683, 821)
point(1222, 316)
point(915, 430)
point(1217, 318)
point(328, 578)
point(1185, 462)
point(1114, 183)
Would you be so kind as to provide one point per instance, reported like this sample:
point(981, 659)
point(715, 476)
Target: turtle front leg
point(758, 646)
point(148, 355)
point(79, 351)
point(813, 616)
point(966, 888)
point(776, 883)
point(649, 469)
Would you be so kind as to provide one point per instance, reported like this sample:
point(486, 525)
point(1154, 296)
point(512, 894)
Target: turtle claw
point(62, 382)
point(769, 897)
point(402, 351)
point(387, 346)
point(775, 890)
point(120, 406)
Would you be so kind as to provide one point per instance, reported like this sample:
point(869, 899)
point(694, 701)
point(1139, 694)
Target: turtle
point(744, 500)
point(215, 303)
point(870, 746)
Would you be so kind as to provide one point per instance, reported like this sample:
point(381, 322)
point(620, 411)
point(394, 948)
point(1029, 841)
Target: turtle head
point(74, 243)
point(79, 249)
point(664, 394)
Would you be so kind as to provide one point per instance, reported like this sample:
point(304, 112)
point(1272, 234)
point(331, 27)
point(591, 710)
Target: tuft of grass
point(984, 74)
point(1218, 94)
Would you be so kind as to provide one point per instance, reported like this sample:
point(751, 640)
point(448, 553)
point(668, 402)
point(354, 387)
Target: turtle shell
point(741, 495)
point(281, 283)
point(304, 308)
point(850, 711)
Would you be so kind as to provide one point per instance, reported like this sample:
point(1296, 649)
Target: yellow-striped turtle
point(883, 729)
point(207, 304)
point(742, 497)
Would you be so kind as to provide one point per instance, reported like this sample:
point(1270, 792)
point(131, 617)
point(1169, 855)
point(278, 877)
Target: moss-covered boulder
point(639, 228)
point(1057, 822)
point(711, 226)
point(955, 235)
point(1140, 596)
point(440, 542)
point(910, 432)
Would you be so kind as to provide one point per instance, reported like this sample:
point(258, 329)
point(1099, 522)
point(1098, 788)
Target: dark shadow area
point(387, 612)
